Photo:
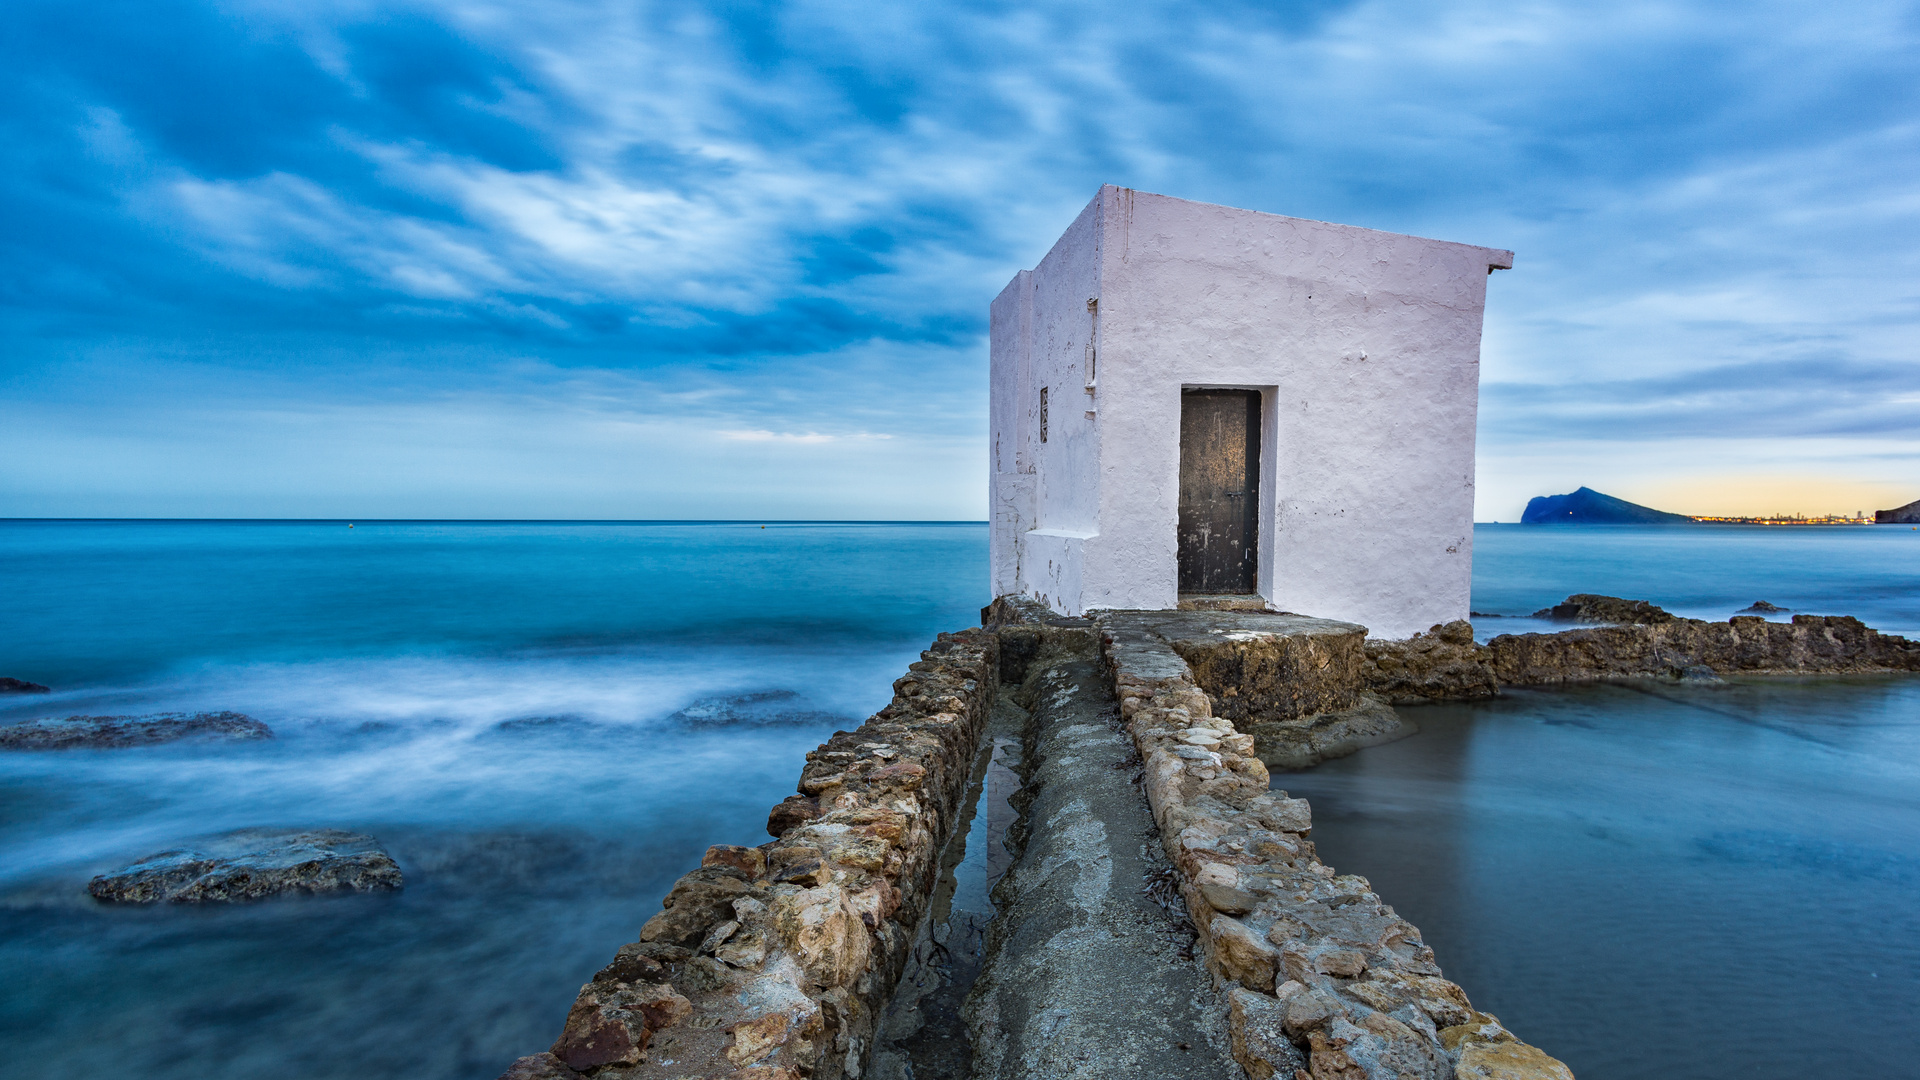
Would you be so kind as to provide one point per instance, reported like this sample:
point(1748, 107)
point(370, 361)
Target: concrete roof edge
point(1497, 258)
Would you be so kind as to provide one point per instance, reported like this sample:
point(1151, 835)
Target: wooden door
point(1219, 490)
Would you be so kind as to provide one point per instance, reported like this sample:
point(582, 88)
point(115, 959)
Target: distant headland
point(1585, 506)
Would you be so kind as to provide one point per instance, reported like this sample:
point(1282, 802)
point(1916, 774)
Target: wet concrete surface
point(1086, 974)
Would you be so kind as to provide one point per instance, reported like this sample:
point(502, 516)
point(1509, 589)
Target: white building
point(1192, 399)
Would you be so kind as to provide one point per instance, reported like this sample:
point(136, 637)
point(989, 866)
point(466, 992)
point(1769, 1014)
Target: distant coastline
point(1585, 506)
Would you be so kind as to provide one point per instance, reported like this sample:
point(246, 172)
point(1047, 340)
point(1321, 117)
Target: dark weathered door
point(1219, 490)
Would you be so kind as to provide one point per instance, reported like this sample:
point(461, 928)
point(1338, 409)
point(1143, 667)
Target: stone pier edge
point(1319, 978)
point(776, 962)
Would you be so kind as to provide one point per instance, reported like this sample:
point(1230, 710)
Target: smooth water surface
point(1871, 572)
point(1654, 879)
point(545, 723)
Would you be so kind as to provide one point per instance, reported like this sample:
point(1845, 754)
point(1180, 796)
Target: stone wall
point(1319, 977)
point(774, 962)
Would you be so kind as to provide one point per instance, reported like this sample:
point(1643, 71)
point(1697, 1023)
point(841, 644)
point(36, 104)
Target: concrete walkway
point(1086, 974)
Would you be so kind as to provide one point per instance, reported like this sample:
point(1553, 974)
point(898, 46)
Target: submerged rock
point(1593, 608)
point(763, 707)
point(253, 864)
point(1763, 606)
point(10, 685)
point(82, 732)
point(563, 725)
point(1306, 741)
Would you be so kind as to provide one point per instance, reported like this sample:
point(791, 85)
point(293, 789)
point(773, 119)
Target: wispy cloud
point(798, 212)
point(798, 436)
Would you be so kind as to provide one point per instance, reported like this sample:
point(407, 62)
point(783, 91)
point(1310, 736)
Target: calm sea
point(546, 723)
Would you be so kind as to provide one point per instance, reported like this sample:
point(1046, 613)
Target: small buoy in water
point(349, 524)
point(763, 526)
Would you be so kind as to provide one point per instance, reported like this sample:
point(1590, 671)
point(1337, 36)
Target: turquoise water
point(546, 723)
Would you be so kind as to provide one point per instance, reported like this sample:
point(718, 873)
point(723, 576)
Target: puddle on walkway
point(923, 1036)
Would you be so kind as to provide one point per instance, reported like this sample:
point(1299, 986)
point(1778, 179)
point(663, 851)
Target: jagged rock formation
point(1744, 643)
point(253, 864)
point(11, 685)
point(1585, 506)
point(1293, 683)
point(1594, 608)
point(1445, 664)
point(99, 732)
point(1899, 515)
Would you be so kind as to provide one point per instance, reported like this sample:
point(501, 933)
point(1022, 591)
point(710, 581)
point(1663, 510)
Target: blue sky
point(734, 259)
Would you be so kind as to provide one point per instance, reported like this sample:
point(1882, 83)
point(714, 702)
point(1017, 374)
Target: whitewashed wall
point(1366, 346)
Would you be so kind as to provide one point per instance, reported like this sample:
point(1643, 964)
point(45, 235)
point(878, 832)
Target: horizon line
point(516, 521)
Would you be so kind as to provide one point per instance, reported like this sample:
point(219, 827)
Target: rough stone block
point(1255, 1026)
point(1238, 954)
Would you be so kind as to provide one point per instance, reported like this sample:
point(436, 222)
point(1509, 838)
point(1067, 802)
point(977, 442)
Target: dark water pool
point(1653, 880)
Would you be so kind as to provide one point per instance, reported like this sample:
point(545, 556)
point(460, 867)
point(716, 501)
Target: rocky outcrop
point(253, 864)
point(1307, 741)
point(1320, 977)
point(113, 732)
point(1585, 506)
point(1742, 644)
point(11, 685)
point(1295, 684)
point(1899, 515)
point(1443, 664)
point(774, 962)
point(1258, 664)
point(1594, 608)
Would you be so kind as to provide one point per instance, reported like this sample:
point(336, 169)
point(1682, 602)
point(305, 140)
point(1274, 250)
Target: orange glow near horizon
point(1762, 495)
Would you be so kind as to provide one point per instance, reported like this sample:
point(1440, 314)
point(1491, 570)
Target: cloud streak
point(801, 210)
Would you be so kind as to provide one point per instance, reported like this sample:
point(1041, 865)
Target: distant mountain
point(1588, 507)
point(1899, 515)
